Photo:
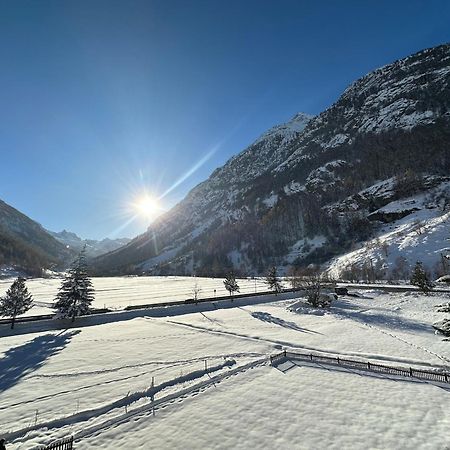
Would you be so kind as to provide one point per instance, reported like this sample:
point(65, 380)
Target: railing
point(63, 444)
point(210, 299)
point(442, 377)
point(49, 316)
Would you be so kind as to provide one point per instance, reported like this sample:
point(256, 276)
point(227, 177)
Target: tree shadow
point(19, 361)
point(266, 317)
point(379, 317)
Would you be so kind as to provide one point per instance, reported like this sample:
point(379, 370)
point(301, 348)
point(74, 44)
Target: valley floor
point(117, 293)
point(96, 382)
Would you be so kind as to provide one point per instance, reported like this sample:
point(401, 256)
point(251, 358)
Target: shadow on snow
point(377, 317)
point(19, 361)
point(266, 317)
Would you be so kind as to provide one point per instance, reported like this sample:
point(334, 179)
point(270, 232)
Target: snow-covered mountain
point(413, 228)
point(283, 199)
point(93, 247)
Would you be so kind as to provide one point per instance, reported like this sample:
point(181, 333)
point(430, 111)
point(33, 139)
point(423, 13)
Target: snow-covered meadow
point(96, 381)
point(119, 292)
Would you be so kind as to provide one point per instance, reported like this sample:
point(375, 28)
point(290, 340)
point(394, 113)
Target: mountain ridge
point(26, 245)
point(273, 194)
point(94, 247)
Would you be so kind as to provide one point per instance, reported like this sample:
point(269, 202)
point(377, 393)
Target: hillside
point(26, 246)
point(413, 228)
point(271, 204)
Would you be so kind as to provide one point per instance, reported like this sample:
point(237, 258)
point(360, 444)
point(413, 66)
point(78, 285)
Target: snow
point(93, 247)
point(95, 382)
point(286, 131)
point(303, 247)
point(420, 236)
point(120, 292)
point(258, 411)
point(165, 256)
point(293, 187)
point(271, 201)
point(382, 189)
point(325, 175)
point(335, 141)
point(235, 256)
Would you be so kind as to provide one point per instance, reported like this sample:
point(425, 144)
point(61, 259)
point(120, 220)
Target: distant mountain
point(93, 247)
point(25, 246)
point(284, 199)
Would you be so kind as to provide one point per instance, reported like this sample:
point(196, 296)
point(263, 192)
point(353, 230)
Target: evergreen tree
point(420, 278)
point(16, 301)
point(230, 283)
point(76, 292)
point(273, 281)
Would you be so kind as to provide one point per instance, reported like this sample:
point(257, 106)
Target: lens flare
point(147, 207)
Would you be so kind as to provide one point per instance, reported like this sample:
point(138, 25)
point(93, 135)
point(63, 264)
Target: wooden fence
point(63, 444)
point(439, 376)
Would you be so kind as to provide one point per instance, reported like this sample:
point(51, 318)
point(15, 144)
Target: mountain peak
point(287, 130)
point(300, 119)
point(272, 202)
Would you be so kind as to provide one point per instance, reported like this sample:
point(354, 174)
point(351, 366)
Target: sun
point(147, 207)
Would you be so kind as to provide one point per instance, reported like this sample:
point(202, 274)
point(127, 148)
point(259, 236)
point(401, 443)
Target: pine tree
point(273, 281)
point(16, 301)
point(230, 283)
point(420, 278)
point(76, 292)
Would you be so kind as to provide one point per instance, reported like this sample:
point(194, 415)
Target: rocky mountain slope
point(412, 228)
point(273, 202)
point(94, 247)
point(26, 246)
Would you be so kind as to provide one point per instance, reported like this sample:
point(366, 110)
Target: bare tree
point(401, 269)
point(312, 282)
point(196, 289)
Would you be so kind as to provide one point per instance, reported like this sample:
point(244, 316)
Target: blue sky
point(101, 101)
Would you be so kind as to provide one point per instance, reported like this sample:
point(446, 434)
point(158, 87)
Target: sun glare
point(147, 207)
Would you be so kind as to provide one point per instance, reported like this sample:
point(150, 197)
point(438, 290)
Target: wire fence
point(437, 375)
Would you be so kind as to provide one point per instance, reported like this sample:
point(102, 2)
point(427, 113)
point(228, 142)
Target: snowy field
point(120, 292)
point(95, 381)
